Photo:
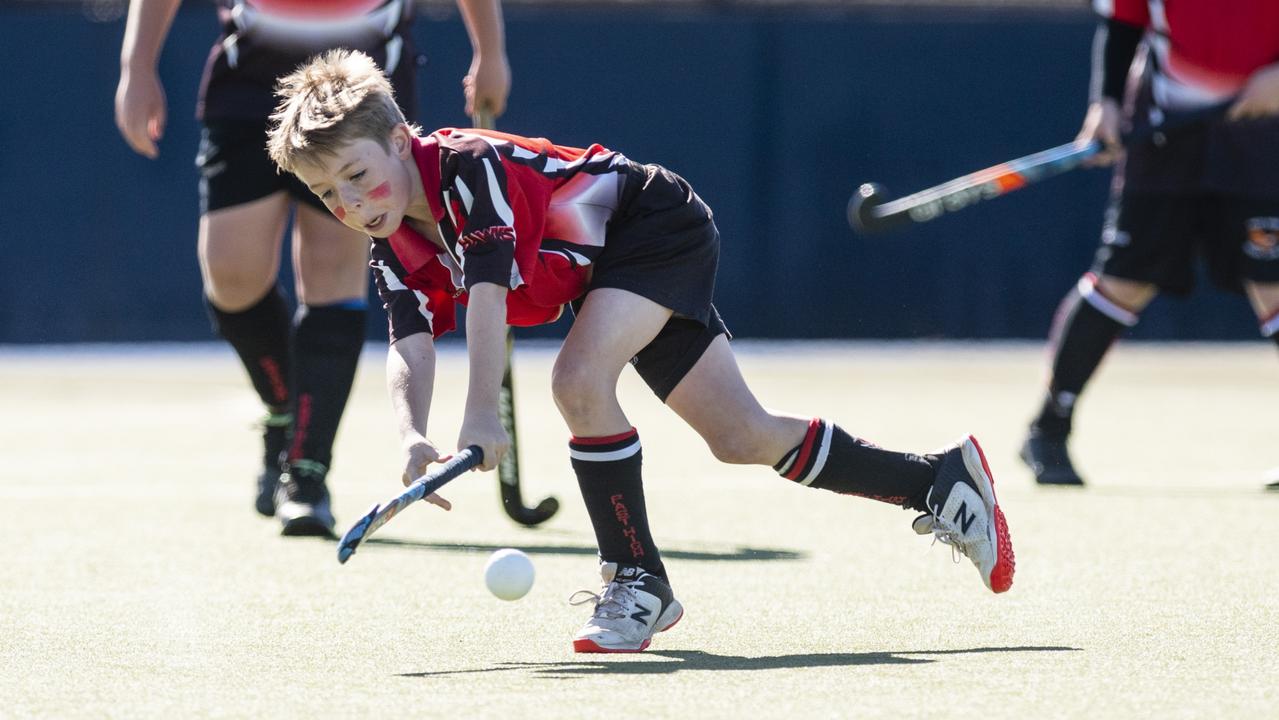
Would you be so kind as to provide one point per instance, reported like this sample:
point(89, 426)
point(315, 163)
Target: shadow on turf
point(741, 553)
point(686, 660)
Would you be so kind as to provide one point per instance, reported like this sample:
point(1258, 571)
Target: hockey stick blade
point(379, 515)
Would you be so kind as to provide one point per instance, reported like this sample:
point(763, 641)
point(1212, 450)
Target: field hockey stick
point(508, 470)
point(869, 211)
point(379, 515)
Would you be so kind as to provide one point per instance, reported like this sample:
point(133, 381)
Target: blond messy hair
point(335, 98)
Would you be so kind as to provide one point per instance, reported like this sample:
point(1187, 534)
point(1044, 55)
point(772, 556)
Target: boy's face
point(364, 185)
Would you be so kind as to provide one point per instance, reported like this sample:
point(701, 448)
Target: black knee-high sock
point(831, 459)
point(1087, 325)
point(260, 336)
point(608, 472)
point(326, 350)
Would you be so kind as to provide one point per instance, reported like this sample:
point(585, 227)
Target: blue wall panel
point(773, 117)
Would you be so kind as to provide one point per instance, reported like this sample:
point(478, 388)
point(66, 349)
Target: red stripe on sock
point(805, 450)
point(605, 440)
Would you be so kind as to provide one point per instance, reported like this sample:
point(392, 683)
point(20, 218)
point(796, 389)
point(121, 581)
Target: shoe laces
point(947, 533)
point(615, 602)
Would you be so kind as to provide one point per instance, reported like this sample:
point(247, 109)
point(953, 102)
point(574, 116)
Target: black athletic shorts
point(663, 245)
point(1157, 238)
point(1207, 189)
point(236, 169)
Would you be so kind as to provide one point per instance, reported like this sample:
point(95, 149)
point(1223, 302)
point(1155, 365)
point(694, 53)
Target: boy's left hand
point(486, 431)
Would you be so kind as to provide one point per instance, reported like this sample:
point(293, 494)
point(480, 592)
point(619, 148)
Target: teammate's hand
point(1101, 123)
point(487, 84)
point(418, 458)
point(1260, 95)
point(485, 430)
point(140, 111)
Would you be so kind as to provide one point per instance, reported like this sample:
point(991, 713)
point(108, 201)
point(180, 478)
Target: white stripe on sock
point(822, 453)
point(1088, 291)
point(593, 456)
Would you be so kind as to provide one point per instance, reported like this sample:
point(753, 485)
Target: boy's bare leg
point(330, 263)
point(636, 601)
point(715, 400)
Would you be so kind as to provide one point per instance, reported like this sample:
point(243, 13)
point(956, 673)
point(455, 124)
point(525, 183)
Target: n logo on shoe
point(642, 614)
point(964, 518)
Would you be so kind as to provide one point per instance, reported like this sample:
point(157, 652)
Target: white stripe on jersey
point(495, 195)
point(464, 193)
point(422, 307)
point(1105, 8)
point(389, 277)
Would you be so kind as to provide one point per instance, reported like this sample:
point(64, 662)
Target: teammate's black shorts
point(1157, 238)
point(663, 245)
point(236, 169)
point(1207, 189)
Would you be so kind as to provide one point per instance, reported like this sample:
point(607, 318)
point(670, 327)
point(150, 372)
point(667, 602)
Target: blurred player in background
point(1209, 189)
point(301, 367)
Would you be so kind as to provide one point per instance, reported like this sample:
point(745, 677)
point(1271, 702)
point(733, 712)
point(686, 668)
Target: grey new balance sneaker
point(965, 514)
point(633, 606)
point(302, 500)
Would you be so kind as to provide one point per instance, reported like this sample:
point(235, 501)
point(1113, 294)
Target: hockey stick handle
point(869, 212)
point(380, 515)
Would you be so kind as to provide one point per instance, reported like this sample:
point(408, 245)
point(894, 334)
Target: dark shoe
point(964, 514)
point(1273, 477)
point(302, 500)
point(1049, 460)
point(275, 438)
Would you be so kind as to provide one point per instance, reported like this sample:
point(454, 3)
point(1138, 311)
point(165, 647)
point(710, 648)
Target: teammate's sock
point(327, 341)
point(831, 459)
point(260, 336)
point(608, 472)
point(1086, 325)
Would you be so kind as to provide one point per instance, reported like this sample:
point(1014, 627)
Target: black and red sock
point(831, 459)
point(260, 336)
point(327, 341)
point(1087, 324)
point(609, 473)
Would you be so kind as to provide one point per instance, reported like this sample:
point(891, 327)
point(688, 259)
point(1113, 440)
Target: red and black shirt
point(519, 212)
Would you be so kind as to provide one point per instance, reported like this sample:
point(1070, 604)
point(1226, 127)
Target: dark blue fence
point(773, 116)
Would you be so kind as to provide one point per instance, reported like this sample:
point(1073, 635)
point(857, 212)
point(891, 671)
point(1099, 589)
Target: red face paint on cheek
point(381, 192)
point(339, 213)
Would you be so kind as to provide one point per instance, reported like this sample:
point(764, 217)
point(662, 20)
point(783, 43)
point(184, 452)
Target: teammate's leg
point(1264, 298)
point(239, 250)
point(611, 326)
point(331, 266)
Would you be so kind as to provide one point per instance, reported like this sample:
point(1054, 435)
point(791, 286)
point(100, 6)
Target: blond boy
point(516, 229)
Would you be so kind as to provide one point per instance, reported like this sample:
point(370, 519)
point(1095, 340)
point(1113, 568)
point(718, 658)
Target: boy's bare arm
point(410, 378)
point(486, 348)
point(488, 81)
point(140, 112)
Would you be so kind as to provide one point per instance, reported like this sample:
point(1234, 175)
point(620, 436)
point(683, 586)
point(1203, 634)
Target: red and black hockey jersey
point(265, 39)
point(519, 212)
point(1203, 50)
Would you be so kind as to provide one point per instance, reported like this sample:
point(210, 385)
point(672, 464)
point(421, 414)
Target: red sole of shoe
point(1001, 576)
point(589, 646)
